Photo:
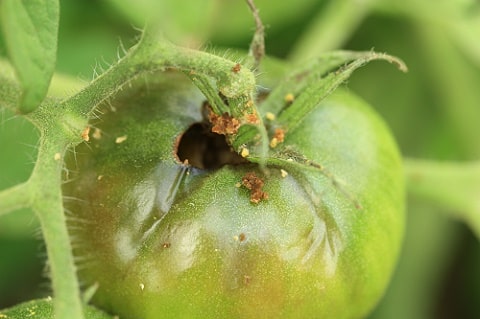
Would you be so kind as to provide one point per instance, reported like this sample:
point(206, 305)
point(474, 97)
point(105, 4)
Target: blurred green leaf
point(31, 29)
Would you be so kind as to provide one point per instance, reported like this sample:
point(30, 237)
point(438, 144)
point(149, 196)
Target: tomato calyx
point(243, 129)
point(204, 145)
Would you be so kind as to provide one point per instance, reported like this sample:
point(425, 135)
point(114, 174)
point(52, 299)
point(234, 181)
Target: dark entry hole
point(204, 149)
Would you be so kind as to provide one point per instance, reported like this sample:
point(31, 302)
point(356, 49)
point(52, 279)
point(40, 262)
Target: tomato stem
point(257, 46)
point(45, 187)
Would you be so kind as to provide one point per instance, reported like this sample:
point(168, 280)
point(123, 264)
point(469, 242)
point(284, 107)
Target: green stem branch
point(454, 187)
point(257, 46)
point(15, 198)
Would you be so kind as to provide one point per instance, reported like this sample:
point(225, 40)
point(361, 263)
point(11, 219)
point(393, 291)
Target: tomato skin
point(166, 241)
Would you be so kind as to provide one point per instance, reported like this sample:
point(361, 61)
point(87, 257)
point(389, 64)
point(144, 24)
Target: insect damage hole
point(204, 149)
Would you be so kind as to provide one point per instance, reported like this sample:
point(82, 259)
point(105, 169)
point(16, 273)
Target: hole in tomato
point(204, 149)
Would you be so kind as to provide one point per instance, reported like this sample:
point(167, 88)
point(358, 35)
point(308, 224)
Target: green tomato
point(167, 240)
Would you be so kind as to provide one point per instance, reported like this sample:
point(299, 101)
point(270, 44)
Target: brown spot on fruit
point(255, 184)
point(236, 68)
point(242, 237)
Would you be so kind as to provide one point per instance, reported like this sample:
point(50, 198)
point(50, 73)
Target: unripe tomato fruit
point(167, 240)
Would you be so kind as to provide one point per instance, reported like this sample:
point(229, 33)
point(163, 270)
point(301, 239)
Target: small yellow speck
point(57, 156)
point(85, 133)
point(284, 173)
point(273, 142)
point(270, 116)
point(289, 159)
point(99, 177)
point(142, 286)
point(3, 316)
point(245, 152)
point(289, 98)
point(236, 238)
point(97, 134)
point(121, 139)
point(238, 185)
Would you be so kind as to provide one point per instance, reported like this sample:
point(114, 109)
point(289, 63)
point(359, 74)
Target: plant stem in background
point(257, 47)
point(332, 26)
point(456, 87)
point(15, 198)
point(455, 187)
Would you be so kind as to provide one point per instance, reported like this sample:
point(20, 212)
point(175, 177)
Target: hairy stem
point(45, 183)
point(257, 47)
point(154, 53)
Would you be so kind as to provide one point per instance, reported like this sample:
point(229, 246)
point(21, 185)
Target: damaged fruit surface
point(166, 226)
